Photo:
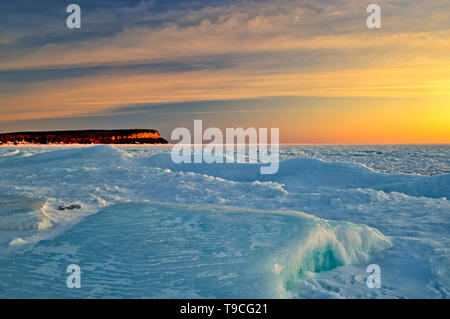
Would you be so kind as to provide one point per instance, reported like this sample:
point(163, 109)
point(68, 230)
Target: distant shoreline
point(87, 137)
point(79, 145)
point(172, 144)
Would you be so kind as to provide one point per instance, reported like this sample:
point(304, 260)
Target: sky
point(313, 69)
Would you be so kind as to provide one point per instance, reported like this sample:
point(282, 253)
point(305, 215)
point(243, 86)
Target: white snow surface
point(308, 231)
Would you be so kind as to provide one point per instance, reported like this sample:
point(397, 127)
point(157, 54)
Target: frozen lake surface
point(150, 228)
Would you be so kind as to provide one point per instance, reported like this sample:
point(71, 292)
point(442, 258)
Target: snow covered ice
point(151, 228)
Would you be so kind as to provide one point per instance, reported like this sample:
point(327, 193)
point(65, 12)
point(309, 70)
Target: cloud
point(159, 52)
point(105, 92)
point(234, 29)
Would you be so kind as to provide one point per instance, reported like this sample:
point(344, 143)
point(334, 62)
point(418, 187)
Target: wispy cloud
point(235, 29)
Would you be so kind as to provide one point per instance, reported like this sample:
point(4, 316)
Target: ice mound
point(22, 213)
point(164, 250)
point(88, 155)
point(232, 171)
point(310, 172)
point(329, 245)
point(16, 242)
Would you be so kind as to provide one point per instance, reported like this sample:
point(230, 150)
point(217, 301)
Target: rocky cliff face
point(134, 136)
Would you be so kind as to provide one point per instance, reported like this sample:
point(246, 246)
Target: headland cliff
point(123, 136)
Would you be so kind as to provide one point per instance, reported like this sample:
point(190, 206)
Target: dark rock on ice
point(73, 206)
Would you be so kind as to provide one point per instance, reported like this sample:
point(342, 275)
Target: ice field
point(149, 228)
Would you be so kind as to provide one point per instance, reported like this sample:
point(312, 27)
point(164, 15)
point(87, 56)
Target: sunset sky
point(311, 68)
